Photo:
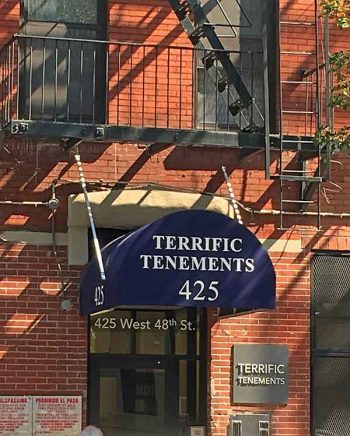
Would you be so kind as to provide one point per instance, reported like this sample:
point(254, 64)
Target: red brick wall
point(44, 349)
point(289, 325)
point(9, 14)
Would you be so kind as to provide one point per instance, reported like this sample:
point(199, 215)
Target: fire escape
point(91, 90)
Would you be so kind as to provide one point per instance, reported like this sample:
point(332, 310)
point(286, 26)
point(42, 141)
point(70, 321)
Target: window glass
point(69, 11)
point(239, 25)
point(132, 401)
point(152, 332)
point(109, 332)
point(189, 383)
point(152, 336)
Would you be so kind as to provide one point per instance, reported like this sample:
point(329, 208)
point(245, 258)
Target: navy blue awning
point(190, 258)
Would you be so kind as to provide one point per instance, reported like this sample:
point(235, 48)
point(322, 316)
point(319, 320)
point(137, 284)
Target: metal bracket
point(19, 128)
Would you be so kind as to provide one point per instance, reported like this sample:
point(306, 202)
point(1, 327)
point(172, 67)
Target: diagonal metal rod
point(91, 218)
point(234, 202)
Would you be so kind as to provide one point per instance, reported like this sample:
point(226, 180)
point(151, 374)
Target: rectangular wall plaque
point(56, 415)
point(16, 416)
point(40, 415)
point(260, 374)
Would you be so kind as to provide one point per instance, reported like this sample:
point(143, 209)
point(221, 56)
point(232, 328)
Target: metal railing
point(139, 85)
point(326, 84)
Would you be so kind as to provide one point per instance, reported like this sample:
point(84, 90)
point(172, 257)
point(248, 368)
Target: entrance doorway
point(147, 372)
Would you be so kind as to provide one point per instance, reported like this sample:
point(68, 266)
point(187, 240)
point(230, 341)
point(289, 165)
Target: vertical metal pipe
point(81, 82)
point(317, 48)
point(68, 78)
point(180, 87)
point(143, 86)
point(12, 75)
point(130, 85)
point(319, 202)
point(106, 96)
point(318, 104)
point(228, 105)
point(8, 82)
point(251, 121)
point(118, 84)
point(216, 91)
point(329, 120)
point(281, 203)
point(240, 116)
point(43, 80)
point(56, 80)
point(18, 78)
point(155, 88)
point(204, 91)
point(168, 86)
point(266, 94)
point(94, 84)
point(30, 78)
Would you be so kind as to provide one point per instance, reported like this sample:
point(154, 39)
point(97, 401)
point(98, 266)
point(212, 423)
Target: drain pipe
point(91, 218)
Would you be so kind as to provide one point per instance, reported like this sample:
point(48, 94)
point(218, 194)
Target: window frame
point(269, 39)
point(100, 16)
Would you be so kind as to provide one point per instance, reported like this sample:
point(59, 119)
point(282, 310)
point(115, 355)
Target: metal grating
point(331, 402)
point(331, 298)
point(331, 344)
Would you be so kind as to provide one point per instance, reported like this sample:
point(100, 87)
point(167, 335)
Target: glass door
point(135, 397)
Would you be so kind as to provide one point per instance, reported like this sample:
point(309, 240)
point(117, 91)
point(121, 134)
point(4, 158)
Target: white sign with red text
point(16, 416)
point(59, 416)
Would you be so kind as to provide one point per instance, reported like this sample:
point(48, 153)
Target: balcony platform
point(248, 143)
point(144, 135)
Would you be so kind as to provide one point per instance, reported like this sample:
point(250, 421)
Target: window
point(65, 11)
point(241, 30)
point(158, 332)
point(331, 344)
point(63, 66)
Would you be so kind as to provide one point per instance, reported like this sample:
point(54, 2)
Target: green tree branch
point(339, 140)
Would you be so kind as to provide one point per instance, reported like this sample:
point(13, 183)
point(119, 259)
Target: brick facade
point(43, 348)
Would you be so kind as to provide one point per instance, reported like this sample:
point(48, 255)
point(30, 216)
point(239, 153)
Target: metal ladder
point(305, 173)
point(202, 28)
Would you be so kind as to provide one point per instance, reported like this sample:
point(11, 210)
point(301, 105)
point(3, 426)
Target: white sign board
point(59, 416)
point(39, 416)
point(16, 416)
